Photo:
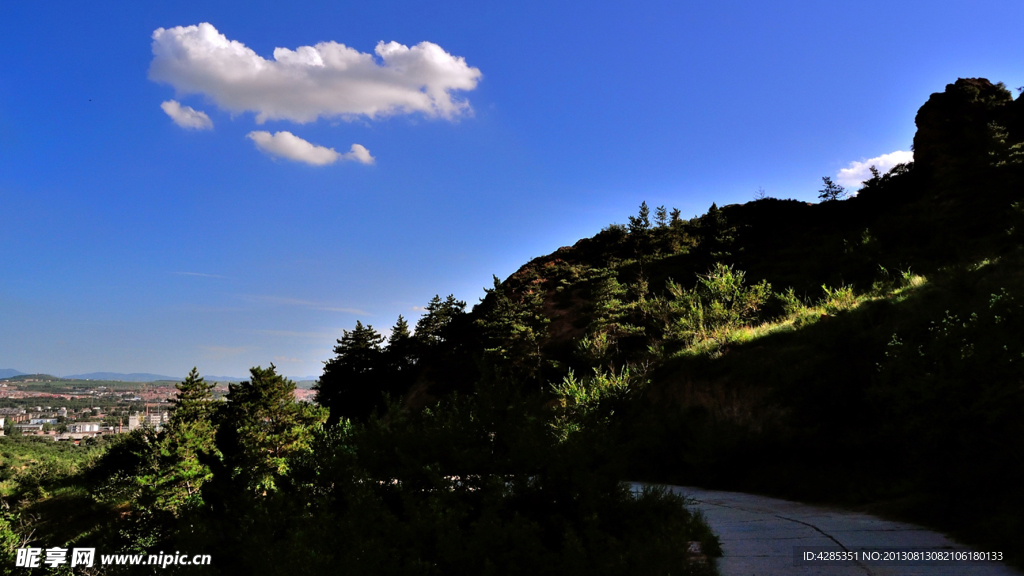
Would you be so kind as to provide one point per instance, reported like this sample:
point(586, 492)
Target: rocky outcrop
point(954, 127)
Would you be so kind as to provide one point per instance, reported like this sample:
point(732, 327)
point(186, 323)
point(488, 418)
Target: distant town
point(76, 410)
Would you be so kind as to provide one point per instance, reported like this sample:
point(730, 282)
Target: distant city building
point(82, 427)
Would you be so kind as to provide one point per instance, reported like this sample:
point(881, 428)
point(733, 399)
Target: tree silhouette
point(352, 382)
point(831, 191)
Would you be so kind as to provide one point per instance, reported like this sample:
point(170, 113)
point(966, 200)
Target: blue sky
point(129, 243)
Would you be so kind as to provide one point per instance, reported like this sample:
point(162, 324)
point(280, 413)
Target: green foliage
point(10, 540)
point(514, 328)
point(720, 302)
point(838, 299)
point(194, 400)
point(162, 473)
point(1003, 150)
point(262, 428)
point(588, 405)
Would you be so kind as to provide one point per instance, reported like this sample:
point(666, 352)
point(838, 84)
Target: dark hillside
point(776, 336)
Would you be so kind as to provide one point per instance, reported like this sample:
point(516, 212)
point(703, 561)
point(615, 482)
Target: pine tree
point(831, 191)
point(186, 445)
point(194, 400)
point(399, 333)
point(263, 427)
point(184, 452)
point(661, 216)
point(514, 326)
point(399, 359)
point(677, 220)
point(641, 223)
point(432, 327)
point(352, 382)
point(716, 236)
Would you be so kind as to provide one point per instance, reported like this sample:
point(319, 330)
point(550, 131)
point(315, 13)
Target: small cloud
point(418, 309)
point(857, 172)
point(288, 145)
point(286, 359)
point(360, 154)
point(186, 116)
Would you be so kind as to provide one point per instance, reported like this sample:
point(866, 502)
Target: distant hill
point(9, 372)
point(117, 377)
point(32, 377)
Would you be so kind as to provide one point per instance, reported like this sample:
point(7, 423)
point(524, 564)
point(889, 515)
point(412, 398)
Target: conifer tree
point(352, 382)
point(193, 402)
point(399, 359)
point(399, 333)
point(641, 223)
point(432, 327)
point(515, 326)
point(831, 191)
point(186, 445)
point(661, 216)
point(716, 236)
point(263, 427)
point(676, 220)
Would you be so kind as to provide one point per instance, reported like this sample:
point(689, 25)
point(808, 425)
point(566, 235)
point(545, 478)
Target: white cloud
point(186, 116)
point(857, 172)
point(290, 146)
point(302, 85)
point(360, 154)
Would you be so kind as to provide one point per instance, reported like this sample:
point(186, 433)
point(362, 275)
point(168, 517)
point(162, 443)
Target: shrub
point(838, 299)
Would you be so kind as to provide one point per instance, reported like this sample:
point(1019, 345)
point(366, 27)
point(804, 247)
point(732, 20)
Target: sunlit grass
point(835, 302)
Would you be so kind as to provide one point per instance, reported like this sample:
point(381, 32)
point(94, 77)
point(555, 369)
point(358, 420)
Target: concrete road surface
point(758, 536)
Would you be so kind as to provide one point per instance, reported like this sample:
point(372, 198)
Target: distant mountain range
point(10, 373)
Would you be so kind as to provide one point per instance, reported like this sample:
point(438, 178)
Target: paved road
point(758, 535)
